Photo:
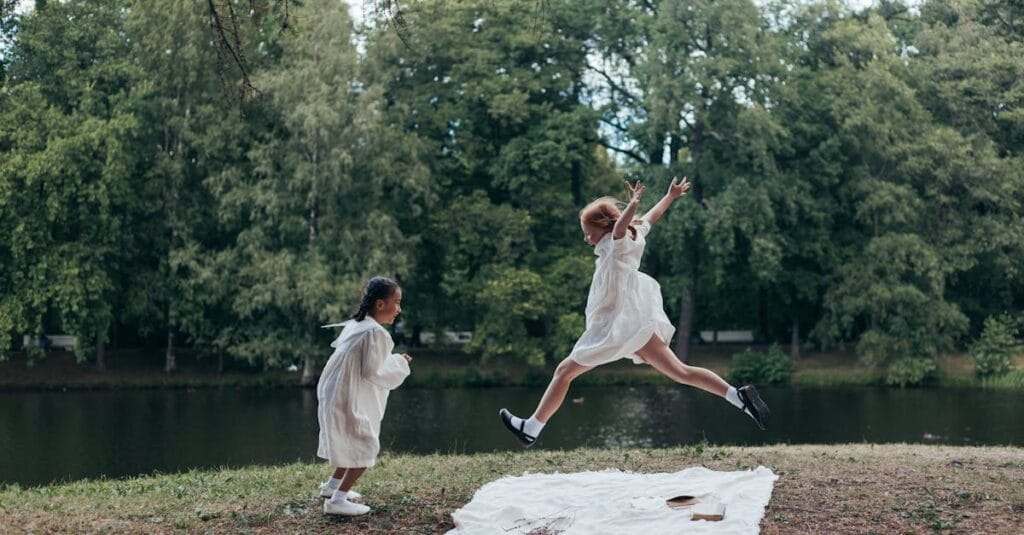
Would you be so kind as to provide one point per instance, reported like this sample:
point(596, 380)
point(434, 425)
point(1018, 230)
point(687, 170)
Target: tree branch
point(614, 125)
point(626, 152)
point(615, 87)
point(232, 47)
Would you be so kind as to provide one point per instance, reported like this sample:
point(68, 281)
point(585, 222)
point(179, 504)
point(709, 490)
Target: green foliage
point(994, 351)
point(770, 367)
point(567, 330)
point(857, 173)
point(66, 202)
point(509, 300)
point(910, 371)
point(1013, 379)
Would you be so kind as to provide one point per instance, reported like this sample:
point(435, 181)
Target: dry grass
point(858, 488)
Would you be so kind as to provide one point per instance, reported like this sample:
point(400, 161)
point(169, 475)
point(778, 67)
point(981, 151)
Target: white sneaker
point(327, 492)
point(344, 508)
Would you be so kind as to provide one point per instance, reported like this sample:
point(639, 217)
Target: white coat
point(353, 392)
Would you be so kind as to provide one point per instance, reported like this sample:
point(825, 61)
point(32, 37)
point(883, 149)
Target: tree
point(688, 85)
point(69, 126)
point(967, 72)
point(312, 212)
point(188, 136)
point(512, 149)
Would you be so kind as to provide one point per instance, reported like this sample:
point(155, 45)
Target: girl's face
point(592, 233)
point(386, 310)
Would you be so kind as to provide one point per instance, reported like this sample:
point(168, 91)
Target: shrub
point(995, 349)
point(772, 367)
point(568, 329)
point(910, 371)
point(1013, 379)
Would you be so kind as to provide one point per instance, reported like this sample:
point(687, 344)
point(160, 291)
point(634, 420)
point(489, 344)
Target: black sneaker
point(754, 405)
point(524, 440)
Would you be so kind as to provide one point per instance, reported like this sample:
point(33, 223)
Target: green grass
point(830, 488)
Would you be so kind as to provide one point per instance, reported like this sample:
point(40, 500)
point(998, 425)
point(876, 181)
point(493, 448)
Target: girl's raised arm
point(675, 191)
point(622, 225)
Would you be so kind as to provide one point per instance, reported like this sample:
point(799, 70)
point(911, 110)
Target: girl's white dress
point(353, 391)
point(624, 307)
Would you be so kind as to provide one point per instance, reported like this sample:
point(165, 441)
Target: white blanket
point(615, 502)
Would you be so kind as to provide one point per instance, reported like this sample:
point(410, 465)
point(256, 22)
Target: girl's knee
point(567, 370)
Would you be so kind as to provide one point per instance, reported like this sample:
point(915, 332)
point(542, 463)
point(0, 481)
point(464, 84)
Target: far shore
point(432, 368)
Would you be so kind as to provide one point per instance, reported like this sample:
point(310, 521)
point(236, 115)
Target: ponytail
point(376, 288)
point(604, 213)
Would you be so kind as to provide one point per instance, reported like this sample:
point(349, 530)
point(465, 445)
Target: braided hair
point(376, 288)
point(604, 213)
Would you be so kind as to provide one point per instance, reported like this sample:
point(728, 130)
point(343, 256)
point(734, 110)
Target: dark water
point(52, 436)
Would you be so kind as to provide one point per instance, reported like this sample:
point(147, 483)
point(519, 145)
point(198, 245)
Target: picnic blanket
point(612, 501)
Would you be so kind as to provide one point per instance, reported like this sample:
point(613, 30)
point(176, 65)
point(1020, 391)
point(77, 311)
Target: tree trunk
point(682, 348)
point(170, 360)
point(308, 372)
point(794, 341)
point(688, 313)
point(308, 364)
point(657, 155)
point(415, 342)
point(675, 143)
point(576, 183)
point(762, 315)
point(220, 363)
point(101, 354)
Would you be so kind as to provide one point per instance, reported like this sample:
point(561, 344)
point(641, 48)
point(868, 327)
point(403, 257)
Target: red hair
point(604, 213)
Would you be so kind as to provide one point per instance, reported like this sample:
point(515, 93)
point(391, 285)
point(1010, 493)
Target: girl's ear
point(379, 304)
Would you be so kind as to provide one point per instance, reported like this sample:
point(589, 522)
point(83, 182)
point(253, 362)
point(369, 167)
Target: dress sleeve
point(381, 368)
point(643, 228)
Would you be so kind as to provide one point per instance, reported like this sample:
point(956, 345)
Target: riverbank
point(441, 369)
point(824, 489)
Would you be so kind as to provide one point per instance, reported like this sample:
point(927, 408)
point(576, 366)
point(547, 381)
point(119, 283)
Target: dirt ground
point(859, 488)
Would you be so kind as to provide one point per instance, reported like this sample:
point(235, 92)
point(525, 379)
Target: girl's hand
point(677, 190)
point(407, 357)
point(635, 191)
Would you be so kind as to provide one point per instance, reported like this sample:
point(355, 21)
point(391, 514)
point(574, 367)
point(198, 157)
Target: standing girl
point(353, 391)
point(625, 316)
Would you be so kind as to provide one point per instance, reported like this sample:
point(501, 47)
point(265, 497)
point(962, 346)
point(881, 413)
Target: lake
point(59, 436)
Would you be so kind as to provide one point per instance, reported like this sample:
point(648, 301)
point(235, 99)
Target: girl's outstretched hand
point(635, 191)
point(677, 190)
point(407, 357)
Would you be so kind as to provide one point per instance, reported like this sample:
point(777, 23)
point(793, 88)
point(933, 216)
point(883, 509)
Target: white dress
point(624, 307)
point(353, 391)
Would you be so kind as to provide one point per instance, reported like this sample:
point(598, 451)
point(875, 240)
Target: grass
point(450, 368)
point(824, 489)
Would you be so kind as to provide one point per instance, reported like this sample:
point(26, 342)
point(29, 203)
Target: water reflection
point(50, 436)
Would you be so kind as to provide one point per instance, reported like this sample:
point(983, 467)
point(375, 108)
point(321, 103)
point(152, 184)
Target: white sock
point(333, 483)
point(733, 397)
point(531, 427)
point(339, 495)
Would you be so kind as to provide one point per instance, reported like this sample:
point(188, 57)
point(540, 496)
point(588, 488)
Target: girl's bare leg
point(557, 388)
point(339, 473)
point(657, 354)
point(351, 476)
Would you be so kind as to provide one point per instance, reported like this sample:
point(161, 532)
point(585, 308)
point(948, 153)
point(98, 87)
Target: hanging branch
point(227, 34)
